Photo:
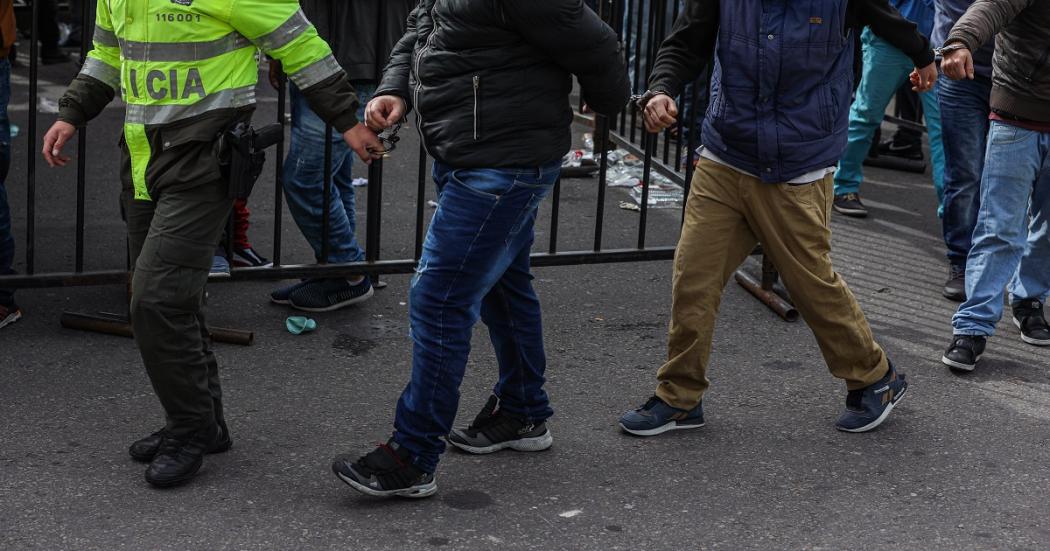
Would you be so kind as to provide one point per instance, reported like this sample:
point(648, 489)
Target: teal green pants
point(885, 69)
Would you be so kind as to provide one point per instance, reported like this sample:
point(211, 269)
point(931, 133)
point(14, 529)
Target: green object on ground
point(298, 325)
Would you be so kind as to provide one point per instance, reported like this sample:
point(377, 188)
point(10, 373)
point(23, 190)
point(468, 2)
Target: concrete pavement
point(961, 464)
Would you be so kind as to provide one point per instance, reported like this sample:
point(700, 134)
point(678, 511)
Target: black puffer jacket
point(365, 32)
point(490, 79)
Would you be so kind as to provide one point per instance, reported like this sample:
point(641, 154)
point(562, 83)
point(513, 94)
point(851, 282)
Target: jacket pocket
point(477, 107)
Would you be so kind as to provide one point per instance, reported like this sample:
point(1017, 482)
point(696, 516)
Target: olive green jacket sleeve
point(99, 79)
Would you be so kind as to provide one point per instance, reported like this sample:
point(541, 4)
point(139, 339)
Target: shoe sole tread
point(415, 492)
point(534, 444)
point(666, 427)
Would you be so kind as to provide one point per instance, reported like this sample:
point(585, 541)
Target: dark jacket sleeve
point(580, 42)
point(396, 74)
point(686, 51)
point(888, 24)
point(85, 98)
point(335, 101)
point(983, 20)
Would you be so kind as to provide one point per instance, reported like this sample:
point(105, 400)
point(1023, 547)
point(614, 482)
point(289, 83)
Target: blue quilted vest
point(781, 86)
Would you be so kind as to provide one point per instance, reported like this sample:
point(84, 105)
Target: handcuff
point(939, 52)
point(640, 101)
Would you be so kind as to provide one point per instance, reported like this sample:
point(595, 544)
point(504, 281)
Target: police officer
point(187, 70)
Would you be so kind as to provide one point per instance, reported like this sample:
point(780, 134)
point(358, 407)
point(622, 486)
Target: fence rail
point(640, 43)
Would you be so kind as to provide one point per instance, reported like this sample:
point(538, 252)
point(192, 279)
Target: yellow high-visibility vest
point(176, 59)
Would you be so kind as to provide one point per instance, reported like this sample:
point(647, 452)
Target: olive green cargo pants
point(172, 240)
point(727, 214)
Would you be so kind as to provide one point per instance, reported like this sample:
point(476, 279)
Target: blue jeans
point(964, 120)
point(475, 265)
point(885, 69)
point(304, 181)
point(7, 241)
point(1011, 243)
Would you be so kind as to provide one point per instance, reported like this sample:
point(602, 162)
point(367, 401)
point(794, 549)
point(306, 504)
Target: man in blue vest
point(775, 129)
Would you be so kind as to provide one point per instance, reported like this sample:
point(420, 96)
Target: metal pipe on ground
point(119, 326)
point(766, 290)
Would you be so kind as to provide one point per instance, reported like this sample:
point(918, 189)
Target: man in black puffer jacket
point(489, 80)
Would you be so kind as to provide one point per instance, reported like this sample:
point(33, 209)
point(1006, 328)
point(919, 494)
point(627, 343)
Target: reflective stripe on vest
point(172, 61)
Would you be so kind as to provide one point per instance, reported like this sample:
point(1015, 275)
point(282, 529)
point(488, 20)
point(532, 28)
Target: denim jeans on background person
point(475, 264)
point(7, 241)
point(304, 180)
point(964, 122)
point(885, 69)
point(1007, 247)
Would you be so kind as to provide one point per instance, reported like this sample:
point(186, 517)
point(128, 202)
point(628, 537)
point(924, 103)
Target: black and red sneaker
point(385, 472)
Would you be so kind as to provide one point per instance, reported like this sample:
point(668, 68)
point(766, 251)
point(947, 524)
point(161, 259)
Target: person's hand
point(364, 142)
point(958, 64)
point(276, 72)
point(54, 140)
point(384, 111)
point(922, 80)
point(660, 112)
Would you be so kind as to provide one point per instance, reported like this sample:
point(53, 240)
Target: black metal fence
point(641, 25)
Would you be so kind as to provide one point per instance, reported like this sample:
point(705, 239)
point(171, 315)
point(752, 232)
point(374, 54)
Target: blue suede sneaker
point(656, 417)
point(868, 407)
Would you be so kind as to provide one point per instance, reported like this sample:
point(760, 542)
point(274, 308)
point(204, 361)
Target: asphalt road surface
point(961, 464)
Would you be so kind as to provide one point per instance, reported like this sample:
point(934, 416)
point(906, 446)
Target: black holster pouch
point(242, 155)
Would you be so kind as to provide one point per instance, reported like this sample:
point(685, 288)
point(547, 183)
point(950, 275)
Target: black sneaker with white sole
point(326, 295)
point(1029, 318)
point(494, 430)
point(386, 471)
point(964, 352)
point(282, 295)
point(849, 204)
point(248, 257)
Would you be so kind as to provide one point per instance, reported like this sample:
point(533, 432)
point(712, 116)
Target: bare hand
point(54, 140)
point(958, 64)
point(660, 113)
point(276, 74)
point(384, 111)
point(364, 142)
point(922, 80)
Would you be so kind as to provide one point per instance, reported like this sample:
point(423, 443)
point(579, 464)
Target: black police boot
point(179, 459)
point(145, 449)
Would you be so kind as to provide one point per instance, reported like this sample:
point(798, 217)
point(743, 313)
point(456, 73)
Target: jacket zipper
point(419, 81)
point(1039, 65)
point(477, 84)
